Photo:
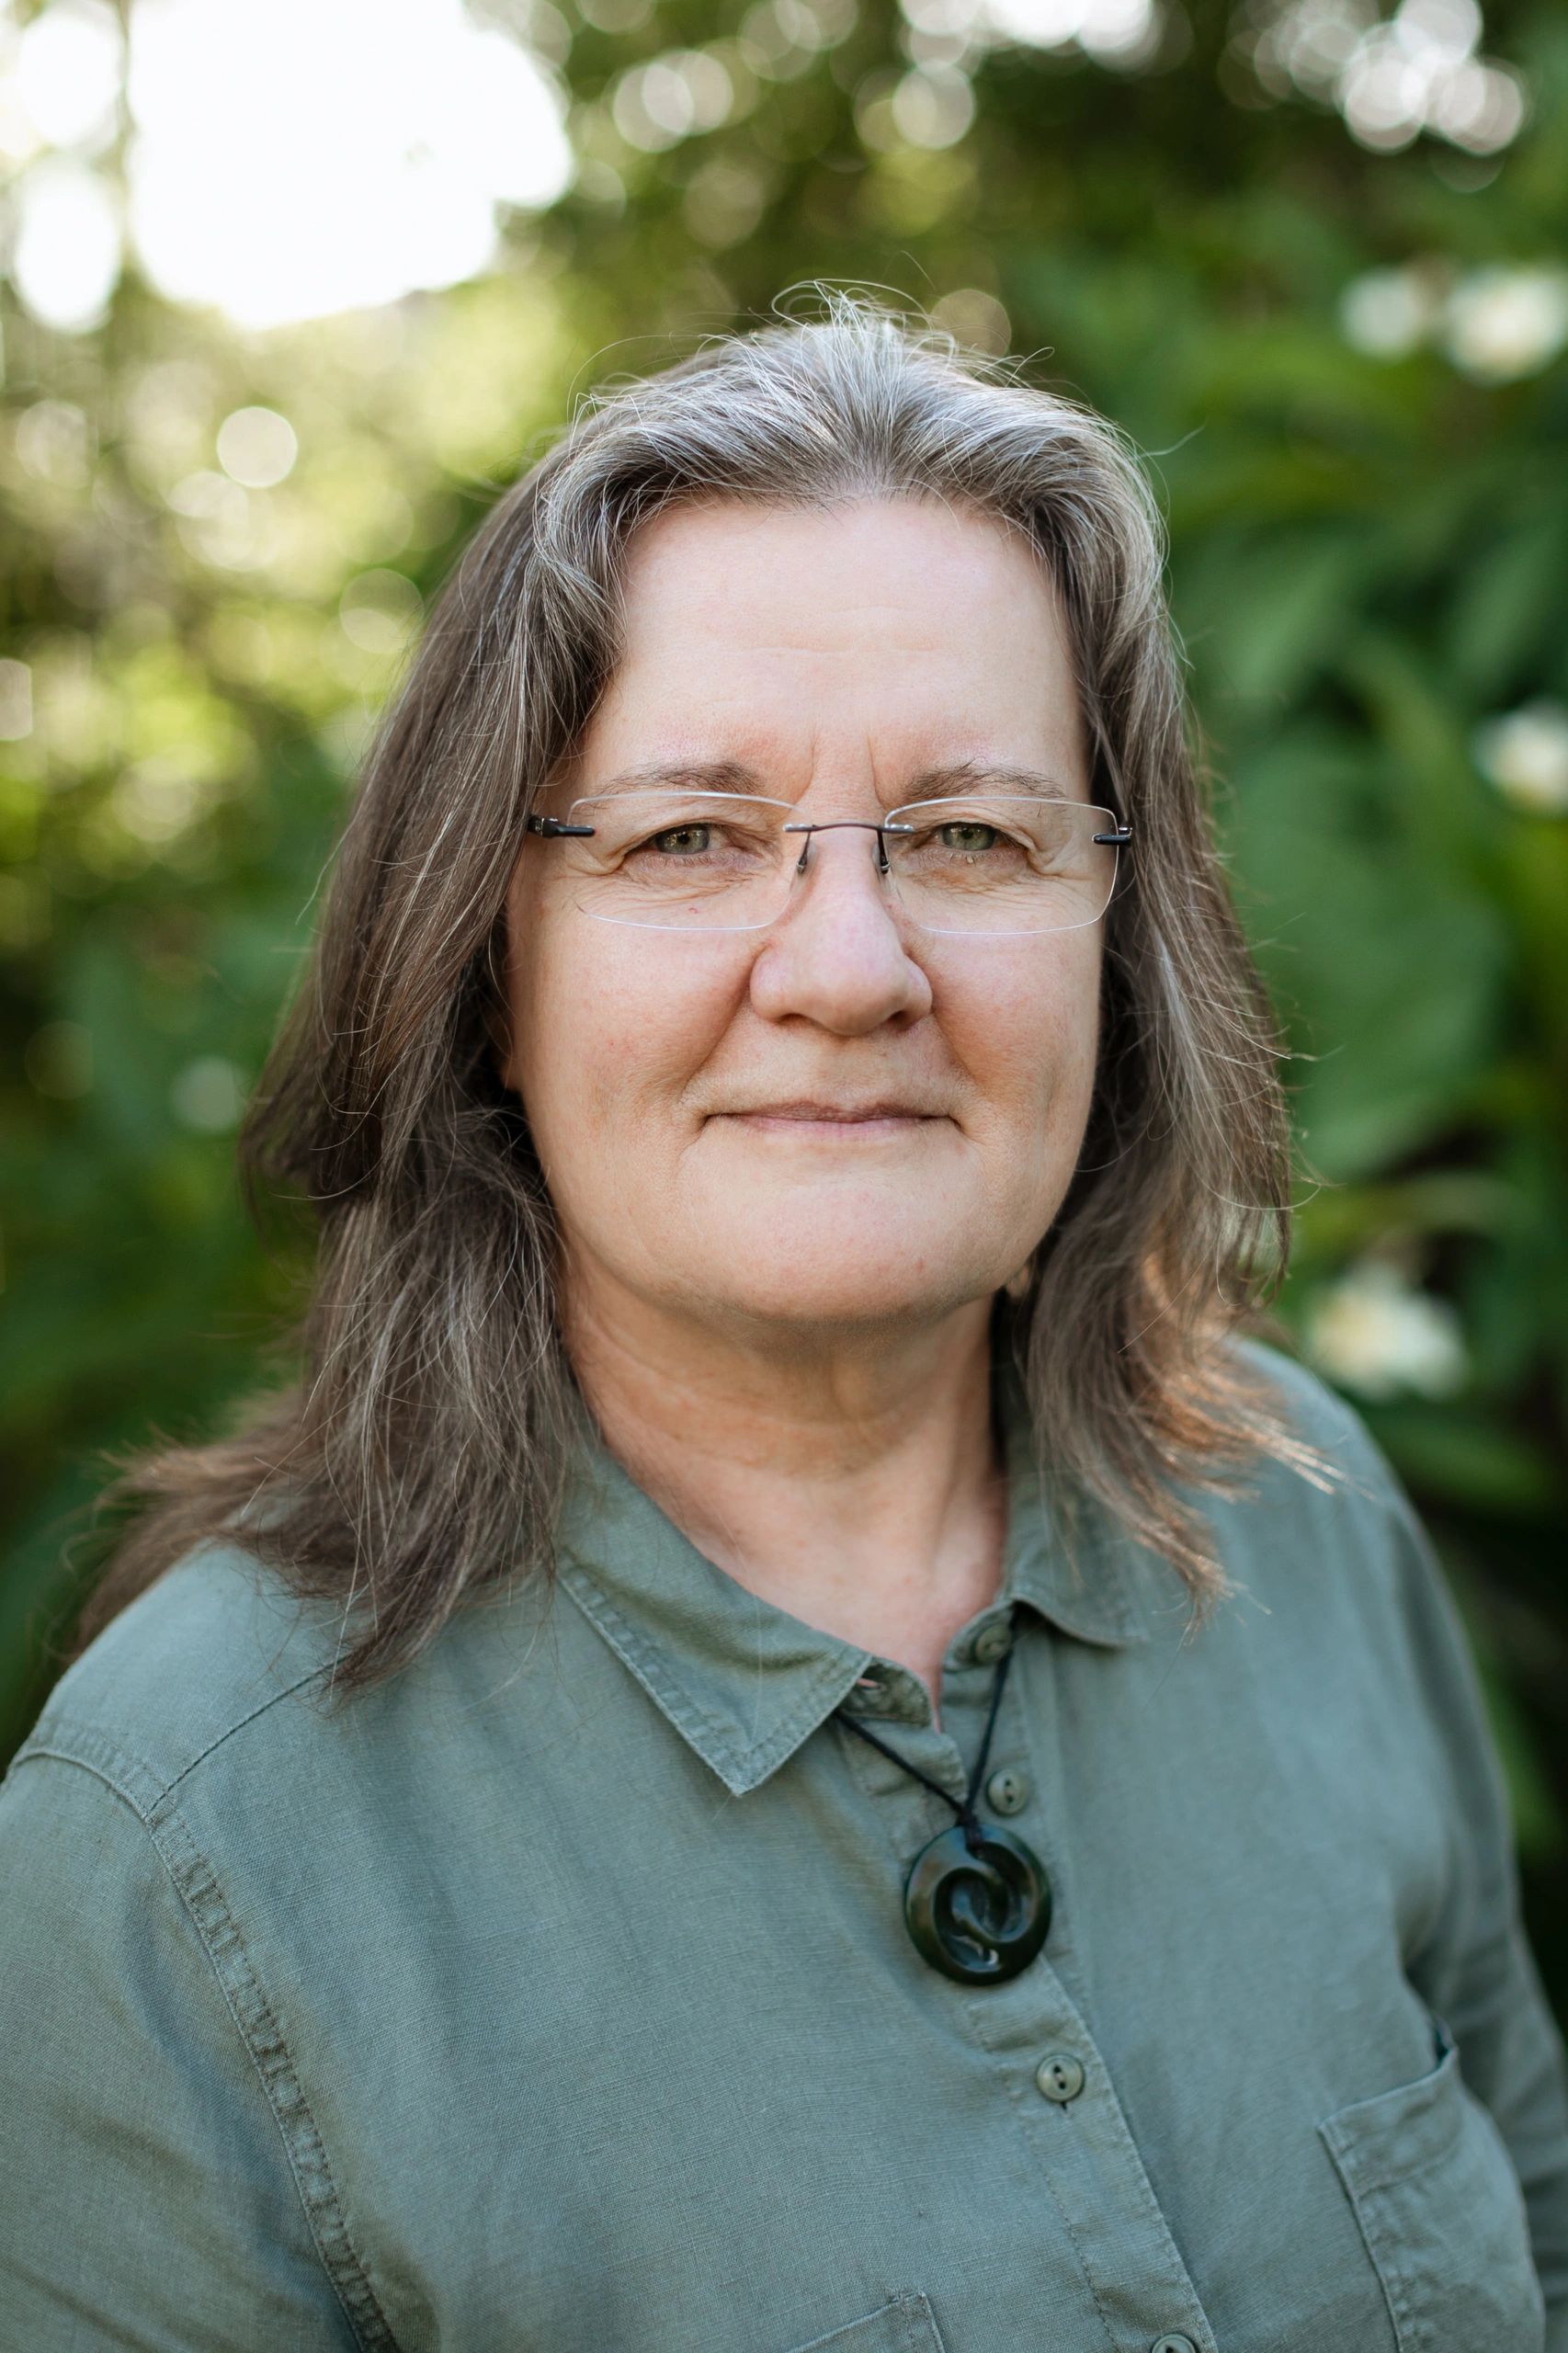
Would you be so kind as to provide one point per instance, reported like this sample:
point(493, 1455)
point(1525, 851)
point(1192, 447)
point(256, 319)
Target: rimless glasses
point(682, 860)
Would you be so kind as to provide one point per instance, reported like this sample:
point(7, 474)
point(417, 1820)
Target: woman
point(792, 1739)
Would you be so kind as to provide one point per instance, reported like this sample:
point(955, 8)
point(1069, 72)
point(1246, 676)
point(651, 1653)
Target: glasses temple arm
point(554, 830)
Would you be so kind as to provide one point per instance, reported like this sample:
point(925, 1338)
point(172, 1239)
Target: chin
point(856, 1281)
point(794, 1315)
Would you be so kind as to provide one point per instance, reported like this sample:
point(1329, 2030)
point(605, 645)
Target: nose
point(837, 955)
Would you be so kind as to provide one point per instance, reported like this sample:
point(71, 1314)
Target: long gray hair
point(421, 1453)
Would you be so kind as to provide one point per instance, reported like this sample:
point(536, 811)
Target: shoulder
point(213, 1695)
point(1334, 1471)
point(1315, 1412)
point(1349, 1567)
point(1324, 1536)
point(217, 1645)
point(1336, 1613)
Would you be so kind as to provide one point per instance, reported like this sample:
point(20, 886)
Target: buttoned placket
point(1047, 2066)
point(689, 1622)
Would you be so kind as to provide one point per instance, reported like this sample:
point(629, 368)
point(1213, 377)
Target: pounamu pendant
point(978, 1907)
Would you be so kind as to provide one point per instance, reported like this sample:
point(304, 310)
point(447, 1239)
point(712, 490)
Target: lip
point(807, 1114)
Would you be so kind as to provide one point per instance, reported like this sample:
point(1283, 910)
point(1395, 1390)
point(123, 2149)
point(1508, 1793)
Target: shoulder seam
point(76, 1742)
point(39, 1752)
point(312, 1674)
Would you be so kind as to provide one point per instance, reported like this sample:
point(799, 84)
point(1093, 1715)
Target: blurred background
point(293, 288)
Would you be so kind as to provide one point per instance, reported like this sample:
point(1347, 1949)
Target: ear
point(1018, 1286)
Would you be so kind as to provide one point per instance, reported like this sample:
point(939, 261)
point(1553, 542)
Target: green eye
point(685, 841)
point(968, 836)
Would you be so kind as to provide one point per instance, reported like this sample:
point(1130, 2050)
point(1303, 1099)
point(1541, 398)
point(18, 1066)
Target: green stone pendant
point(980, 1911)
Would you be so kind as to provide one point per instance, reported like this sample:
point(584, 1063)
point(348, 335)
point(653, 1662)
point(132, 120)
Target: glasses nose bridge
point(845, 826)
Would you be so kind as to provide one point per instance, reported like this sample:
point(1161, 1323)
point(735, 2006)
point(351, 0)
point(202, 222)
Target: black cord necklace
point(977, 1901)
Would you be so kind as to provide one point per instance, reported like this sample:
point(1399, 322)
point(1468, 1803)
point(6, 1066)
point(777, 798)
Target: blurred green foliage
point(1344, 367)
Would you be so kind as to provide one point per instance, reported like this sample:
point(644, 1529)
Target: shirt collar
point(743, 1681)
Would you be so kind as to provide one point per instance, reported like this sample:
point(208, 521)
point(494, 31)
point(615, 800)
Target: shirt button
point(1007, 1792)
point(990, 1642)
point(1061, 2077)
point(1172, 2345)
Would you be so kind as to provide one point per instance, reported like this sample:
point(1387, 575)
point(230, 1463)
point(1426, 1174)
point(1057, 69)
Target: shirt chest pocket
point(906, 2325)
point(1441, 2210)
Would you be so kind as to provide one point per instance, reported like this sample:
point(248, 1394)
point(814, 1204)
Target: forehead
point(882, 635)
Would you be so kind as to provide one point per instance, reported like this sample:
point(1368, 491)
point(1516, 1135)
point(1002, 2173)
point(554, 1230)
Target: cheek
point(606, 1028)
point(1076, 1039)
point(1028, 1033)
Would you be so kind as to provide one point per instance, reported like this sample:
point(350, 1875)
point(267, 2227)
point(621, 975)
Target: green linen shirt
point(556, 1997)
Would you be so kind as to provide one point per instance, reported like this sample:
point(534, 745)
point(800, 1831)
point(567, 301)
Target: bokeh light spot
point(1392, 78)
point(54, 443)
point(1374, 1332)
point(1524, 754)
point(256, 446)
point(65, 260)
point(1502, 323)
point(1387, 313)
point(16, 701)
point(725, 200)
point(404, 124)
point(975, 319)
point(68, 71)
point(209, 1094)
point(933, 105)
point(381, 611)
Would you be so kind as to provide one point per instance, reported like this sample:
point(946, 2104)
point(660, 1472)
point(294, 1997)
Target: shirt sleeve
point(1475, 1967)
point(149, 2199)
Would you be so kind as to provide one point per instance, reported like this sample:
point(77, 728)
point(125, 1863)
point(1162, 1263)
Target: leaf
point(1506, 605)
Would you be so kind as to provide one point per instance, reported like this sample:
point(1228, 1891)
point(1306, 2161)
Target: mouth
point(837, 1121)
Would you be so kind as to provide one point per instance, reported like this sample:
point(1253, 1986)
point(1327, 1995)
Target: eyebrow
point(969, 776)
point(695, 776)
point(930, 784)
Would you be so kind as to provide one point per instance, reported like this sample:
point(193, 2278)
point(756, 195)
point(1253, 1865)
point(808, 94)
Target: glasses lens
point(681, 861)
point(999, 862)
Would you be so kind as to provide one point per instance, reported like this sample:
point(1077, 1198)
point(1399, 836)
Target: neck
point(852, 1481)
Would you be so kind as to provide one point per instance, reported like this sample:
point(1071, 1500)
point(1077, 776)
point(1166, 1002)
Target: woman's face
point(838, 1120)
